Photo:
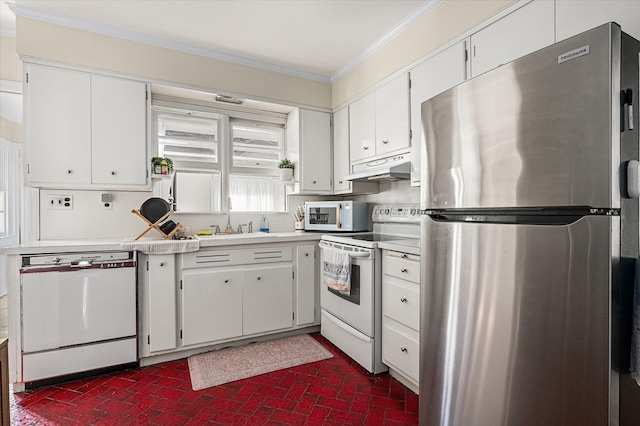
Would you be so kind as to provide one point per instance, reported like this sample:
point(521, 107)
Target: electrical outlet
point(107, 205)
point(60, 202)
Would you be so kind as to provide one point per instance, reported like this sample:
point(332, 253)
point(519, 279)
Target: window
point(223, 161)
point(190, 140)
point(256, 145)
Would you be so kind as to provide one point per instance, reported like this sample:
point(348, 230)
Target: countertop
point(58, 246)
point(408, 245)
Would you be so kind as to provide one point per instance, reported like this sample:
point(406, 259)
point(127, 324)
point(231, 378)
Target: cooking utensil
point(168, 226)
point(154, 208)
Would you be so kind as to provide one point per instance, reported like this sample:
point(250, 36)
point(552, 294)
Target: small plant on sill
point(285, 164)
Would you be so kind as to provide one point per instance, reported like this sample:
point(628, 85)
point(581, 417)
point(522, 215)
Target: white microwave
point(347, 216)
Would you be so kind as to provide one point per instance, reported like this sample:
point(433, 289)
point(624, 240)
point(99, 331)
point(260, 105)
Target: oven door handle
point(360, 255)
point(338, 207)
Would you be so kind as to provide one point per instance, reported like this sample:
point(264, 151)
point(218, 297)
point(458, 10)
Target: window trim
point(269, 118)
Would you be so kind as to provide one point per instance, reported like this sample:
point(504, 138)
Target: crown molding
point(27, 12)
point(31, 13)
point(390, 35)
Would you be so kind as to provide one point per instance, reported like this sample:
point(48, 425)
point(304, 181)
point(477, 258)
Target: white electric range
point(353, 321)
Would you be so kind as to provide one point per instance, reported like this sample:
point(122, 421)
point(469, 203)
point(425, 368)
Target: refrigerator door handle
point(633, 179)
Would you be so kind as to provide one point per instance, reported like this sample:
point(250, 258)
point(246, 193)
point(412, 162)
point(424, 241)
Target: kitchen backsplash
point(87, 219)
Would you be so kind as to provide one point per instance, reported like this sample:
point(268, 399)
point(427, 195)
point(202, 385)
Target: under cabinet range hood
point(391, 168)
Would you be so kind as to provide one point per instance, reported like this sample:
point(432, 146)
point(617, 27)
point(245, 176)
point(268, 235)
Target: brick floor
point(336, 391)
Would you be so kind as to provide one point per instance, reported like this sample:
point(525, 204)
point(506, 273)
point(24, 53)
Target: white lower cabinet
point(401, 316)
point(157, 303)
point(215, 296)
point(305, 281)
point(211, 305)
point(267, 300)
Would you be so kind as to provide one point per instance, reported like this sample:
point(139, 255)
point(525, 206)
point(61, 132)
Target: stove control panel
point(396, 213)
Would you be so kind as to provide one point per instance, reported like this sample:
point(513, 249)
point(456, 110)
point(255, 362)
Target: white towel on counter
point(336, 269)
point(150, 246)
point(635, 331)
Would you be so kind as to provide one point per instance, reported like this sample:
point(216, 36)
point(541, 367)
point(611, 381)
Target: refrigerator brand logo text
point(575, 53)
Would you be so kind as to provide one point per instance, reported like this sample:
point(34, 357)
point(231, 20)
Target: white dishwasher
point(78, 313)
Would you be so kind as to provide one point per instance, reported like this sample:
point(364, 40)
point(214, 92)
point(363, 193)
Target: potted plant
point(156, 162)
point(286, 169)
point(162, 166)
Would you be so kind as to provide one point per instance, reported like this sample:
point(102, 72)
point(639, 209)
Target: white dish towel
point(336, 269)
point(635, 333)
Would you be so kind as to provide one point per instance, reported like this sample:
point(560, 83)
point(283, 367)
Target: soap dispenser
point(264, 225)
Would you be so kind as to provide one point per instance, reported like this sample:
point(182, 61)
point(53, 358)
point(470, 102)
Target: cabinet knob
point(113, 173)
point(403, 299)
point(403, 270)
point(365, 148)
point(259, 277)
point(306, 254)
point(385, 142)
point(404, 256)
point(403, 349)
point(69, 171)
point(161, 263)
point(339, 181)
point(314, 181)
point(226, 281)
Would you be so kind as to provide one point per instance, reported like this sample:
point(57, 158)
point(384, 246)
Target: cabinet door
point(211, 306)
point(305, 285)
point(574, 17)
point(316, 151)
point(58, 126)
point(362, 128)
point(267, 299)
point(162, 302)
point(524, 31)
point(392, 115)
point(341, 150)
point(119, 131)
point(441, 72)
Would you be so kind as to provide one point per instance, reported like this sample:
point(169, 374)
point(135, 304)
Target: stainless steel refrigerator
point(529, 240)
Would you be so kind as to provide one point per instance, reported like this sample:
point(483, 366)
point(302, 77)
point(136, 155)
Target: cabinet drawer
point(258, 254)
point(397, 265)
point(400, 352)
point(401, 302)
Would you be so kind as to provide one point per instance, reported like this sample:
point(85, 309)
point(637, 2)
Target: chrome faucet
point(250, 227)
point(228, 229)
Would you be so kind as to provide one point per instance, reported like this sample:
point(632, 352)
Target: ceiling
point(316, 39)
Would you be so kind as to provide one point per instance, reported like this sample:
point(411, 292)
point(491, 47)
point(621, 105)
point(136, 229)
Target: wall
point(51, 42)
point(446, 21)
point(10, 65)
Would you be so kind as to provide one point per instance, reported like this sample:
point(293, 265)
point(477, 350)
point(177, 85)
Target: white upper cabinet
point(519, 33)
point(315, 153)
point(341, 150)
point(379, 121)
point(435, 75)
point(392, 115)
point(362, 127)
point(341, 159)
point(309, 147)
point(118, 132)
point(58, 126)
point(84, 130)
point(576, 16)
